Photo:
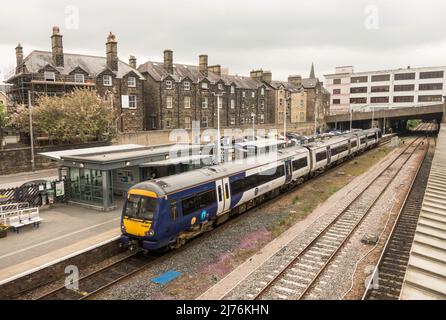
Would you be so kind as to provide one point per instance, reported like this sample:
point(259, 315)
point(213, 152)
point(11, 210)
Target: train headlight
point(123, 229)
point(150, 233)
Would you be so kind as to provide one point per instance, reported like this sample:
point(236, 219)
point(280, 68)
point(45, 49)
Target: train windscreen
point(140, 207)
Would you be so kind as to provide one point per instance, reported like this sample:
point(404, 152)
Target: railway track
point(103, 278)
point(392, 264)
point(296, 279)
point(96, 282)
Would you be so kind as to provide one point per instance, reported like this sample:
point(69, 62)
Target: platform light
point(81, 165)
point(127, 163)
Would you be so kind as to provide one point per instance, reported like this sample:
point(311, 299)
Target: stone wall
point(19, 159)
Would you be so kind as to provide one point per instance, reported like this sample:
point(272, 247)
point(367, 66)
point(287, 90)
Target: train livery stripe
point(146, 193)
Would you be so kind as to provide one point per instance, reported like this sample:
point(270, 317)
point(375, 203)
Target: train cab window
point(173, 210)
point(193, 204)
point(321, 156)
point(300, 164)
point(140, 207)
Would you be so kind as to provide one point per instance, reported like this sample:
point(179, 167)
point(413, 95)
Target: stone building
point(177, 94)
point(55, 73)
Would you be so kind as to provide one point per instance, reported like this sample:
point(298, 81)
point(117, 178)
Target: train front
point(139, 218)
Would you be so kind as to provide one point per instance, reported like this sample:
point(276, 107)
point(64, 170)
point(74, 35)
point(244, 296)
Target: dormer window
point(186, 86)
point(253, 94)
point(262, 91)
point(107, 81)
point(49, 76)
point(132, 82)
point(220, 86)
point(232, 89)
point(79, 78)
point(204, 85)
point(169, 84)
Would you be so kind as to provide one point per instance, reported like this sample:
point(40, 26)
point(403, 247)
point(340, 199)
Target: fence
point(38, 194)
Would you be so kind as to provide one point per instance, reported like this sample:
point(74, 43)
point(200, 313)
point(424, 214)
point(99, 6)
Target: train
point(163, 214)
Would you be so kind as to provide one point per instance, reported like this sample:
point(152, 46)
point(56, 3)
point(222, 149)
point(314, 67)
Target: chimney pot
point(19, 57)
point(57, 47)
point(168, 61)
point(112, 52)
point(132, 61)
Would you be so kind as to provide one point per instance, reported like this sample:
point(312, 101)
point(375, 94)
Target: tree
point(3, 119)
point(77, 116)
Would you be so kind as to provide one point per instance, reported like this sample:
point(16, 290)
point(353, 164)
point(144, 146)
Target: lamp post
point(253, 115)
point(351, 118)
point(219, 97)
point(373, 116)
point(284, 118)
point(31, 133)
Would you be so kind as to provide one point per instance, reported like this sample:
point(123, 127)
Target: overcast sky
point(281, 36)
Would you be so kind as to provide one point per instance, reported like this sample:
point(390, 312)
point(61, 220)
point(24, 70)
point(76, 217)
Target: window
point(186, 85)
point(49, 76)
point(430, 86)
point(169, 84)
point(204, 85)
point(232, 89)
point(300, 164)
point(358, 90)
point(381, 77)
point(187, 122)
point(132, 82)
point(79, 78)
point(186, 102)
point(243, 105)
point(433, 98)
point(255, 180)
point(353, 143)
point(336, 101)
point(262, 118)
point(204, 102)
point(431, 74)
point(220, 86)
point(243, 94)
point(359, 79)
point(339, 149)
point(204, 122)
point(403, 99)
point(107, 80)
point(358, 100)
point(232, 104)
point(379, 100)
point(169, 103)
point(253, 94)
point(405, 76)
point(232, 120)
point(404, 87)
point(140, 207)
point(336, 91)
point(262, 104)
point(322, 155)
point(173, 210)
point(168, 122)
point(380, 89)
point(262, 91)
point(132, 102)
point(197, 202)
point(336, 81)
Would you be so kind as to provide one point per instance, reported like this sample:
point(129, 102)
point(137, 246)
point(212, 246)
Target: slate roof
point(182, 71)
point(93, 65)
point(287, 85)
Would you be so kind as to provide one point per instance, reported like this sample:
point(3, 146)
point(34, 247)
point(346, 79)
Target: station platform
point(426, 270)
point(65, 231)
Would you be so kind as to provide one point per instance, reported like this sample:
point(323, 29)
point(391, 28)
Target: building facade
point(404, 87)
point(55, 73)
point(178, 94)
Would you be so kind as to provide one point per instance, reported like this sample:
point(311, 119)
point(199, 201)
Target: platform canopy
point(59, 155)
point(175, 161)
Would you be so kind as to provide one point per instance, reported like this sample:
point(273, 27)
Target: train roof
point(172, 184)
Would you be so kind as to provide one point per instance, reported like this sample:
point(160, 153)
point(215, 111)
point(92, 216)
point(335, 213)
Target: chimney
point(57, 47)
point(256, 74)
point(267, 76)
point(19, 55)
point(215, 69)
point(132, 61)
point(203, 65)
point(295, 79)
point(112, 52)
point(168, 61)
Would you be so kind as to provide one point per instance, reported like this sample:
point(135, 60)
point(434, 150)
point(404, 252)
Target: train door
point(223, 196)
point(328, 155)
point(288, 171)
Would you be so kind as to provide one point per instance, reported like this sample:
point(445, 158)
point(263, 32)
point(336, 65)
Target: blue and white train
point(165, 213)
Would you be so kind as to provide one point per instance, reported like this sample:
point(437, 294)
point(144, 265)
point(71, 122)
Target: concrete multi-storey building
point(56, 73)
point(177, 94)
point(404, 87)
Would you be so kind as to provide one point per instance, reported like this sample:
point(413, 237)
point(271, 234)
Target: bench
point(25, 217)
